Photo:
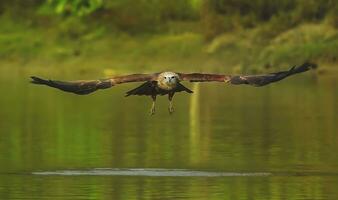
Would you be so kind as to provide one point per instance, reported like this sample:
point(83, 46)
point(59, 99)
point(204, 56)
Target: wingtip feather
point(37, 80)
point(304, 67)
point(311, 65)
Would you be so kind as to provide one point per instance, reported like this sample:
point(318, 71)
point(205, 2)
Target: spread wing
point(82, 87)
point(255, 80)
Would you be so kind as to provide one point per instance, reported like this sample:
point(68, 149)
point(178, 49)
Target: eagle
point(167, 83)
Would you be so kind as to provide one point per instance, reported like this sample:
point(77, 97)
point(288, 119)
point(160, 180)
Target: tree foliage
point(75, 7)
point(214, 16)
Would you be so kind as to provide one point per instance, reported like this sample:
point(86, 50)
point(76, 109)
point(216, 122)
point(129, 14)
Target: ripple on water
point(147, 172)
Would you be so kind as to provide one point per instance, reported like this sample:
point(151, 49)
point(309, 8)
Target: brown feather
point(261, 80)
point(198, 77)
point(89, 86)
point(182, 88)
point(147, 88)
point(255, 80)
point(78, 87)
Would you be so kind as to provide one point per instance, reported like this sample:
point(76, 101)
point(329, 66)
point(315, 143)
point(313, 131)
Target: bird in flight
point(167, 83)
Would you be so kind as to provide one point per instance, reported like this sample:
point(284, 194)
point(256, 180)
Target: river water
point(222, 142)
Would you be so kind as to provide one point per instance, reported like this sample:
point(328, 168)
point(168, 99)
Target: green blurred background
point(287, 130)
point(110, 36)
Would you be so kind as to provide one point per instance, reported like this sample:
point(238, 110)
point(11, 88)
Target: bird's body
point(167, 83)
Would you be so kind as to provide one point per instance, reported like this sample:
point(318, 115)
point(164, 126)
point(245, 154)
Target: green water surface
point(288, 130)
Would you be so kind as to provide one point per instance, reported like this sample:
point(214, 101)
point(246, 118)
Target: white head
point(168, 80)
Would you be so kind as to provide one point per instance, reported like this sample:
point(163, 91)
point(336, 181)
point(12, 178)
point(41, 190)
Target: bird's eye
point(173, 77)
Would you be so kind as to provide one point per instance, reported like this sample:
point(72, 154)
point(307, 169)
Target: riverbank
point(67, 48)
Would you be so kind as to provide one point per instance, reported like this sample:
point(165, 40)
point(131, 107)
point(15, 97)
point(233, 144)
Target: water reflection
point(146, 172)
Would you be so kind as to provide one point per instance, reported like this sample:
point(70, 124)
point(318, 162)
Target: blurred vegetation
point(237, 35)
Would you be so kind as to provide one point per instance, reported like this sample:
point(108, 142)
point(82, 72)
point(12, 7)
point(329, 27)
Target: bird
point(168, 83)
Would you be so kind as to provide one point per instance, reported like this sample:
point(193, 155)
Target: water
point(222, 142)
point(145, 172)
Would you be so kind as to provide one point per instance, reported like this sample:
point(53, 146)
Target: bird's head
point(169, 78)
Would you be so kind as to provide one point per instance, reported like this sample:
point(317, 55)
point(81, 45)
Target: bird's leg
point(152, 110)
point(171, 106)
